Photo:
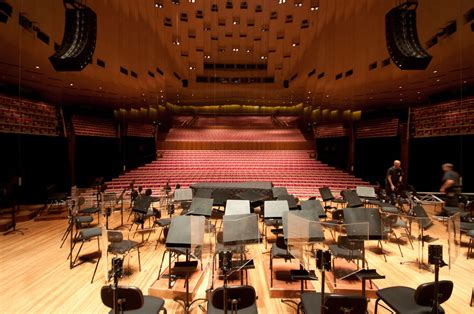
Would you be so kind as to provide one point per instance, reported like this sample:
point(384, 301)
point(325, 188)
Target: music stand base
point(187, 305)
point(421, 265)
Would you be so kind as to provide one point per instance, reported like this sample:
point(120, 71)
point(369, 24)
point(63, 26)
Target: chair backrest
point(345, 304)
point(114, 236)
point(425, 292)
point(131, 298)
point(243, 296)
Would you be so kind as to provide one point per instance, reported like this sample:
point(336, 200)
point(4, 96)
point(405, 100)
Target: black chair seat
point(470, 233)
point(88, 233)
point(341, 252)
point(163, 222)
point(401, 300)
point(334, 304)
point(150, 305)
point(83, 219)
point(90, 210)
point(122, 247)
point(467, 226)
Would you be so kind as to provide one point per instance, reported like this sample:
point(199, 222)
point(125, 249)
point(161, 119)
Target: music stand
point(185, 232)
point(201, 207)
point(363, 224)
point(424, 222)
point(352, 199)
point(272, 214)
point(221, 196)
point(183, 196)
point(314, 205)
point(301, 231)
point(237, 207)
point(367, 192)
point(292, 203)
point(239, 232)
point(119, 200)
point(279, 191)
point(256, 198)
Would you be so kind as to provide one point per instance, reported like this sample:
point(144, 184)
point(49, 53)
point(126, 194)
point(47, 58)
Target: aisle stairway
point(294, 169)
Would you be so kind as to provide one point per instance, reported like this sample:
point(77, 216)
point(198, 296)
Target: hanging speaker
point(402, 38)
point(78, 45)
point(185, 83)
point(286, 84)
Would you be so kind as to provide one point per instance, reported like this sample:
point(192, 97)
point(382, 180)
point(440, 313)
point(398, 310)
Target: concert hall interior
point(237, 156)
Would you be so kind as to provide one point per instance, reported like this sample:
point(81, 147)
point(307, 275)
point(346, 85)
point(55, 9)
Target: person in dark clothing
point(393, 180)
point(451, 186)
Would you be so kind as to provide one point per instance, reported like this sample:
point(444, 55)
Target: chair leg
point(161, 264)
point(95, 269)
point(271, 270)
point(376, 305)
point(139, 262)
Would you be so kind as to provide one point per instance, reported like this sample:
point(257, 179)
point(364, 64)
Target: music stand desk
point(237, 207)
point(201, 207)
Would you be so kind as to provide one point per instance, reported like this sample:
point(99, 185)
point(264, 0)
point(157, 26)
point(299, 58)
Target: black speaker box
point(286, 84)
point(185, 83)
point(402, 38)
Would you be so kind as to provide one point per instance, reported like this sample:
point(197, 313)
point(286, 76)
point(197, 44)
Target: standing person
point(393, 180)
point(451, 186)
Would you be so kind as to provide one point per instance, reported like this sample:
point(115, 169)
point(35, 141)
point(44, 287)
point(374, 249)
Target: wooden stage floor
point(35, 275)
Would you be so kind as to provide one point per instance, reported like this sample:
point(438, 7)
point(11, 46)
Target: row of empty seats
point(140, 130)
point(234, 122)
point(235, 135)
point(377, 128)
point(295, 170)
point(93, 126)
point(28, 117)
point(451, 118)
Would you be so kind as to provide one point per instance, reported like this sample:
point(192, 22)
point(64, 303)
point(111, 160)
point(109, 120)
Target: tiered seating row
point(92, 126)
point(235, 135)
point(140, 130)
point(450, 118)
point(234, 122)
point(331, 130)
point(377, 128)
point(294, 169)
point(28, 117)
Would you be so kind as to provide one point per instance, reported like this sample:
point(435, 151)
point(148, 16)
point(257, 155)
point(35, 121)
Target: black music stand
point(279, 191)
point(352, 199)
point(255, 198)
point(419, 214)
point(239, 232)
point(201, 207)
point(183, 196)
point(363, 224)
point(118, 201)
point(292, 202)
point(185, 233)
point(314, 205)
point(272, 215)
point(301, 230)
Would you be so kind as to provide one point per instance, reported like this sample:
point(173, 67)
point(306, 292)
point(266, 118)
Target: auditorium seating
point(93, 126)
point(235, 135)
point(28, 117)
point(377, 128)
point(140, 130)
point(253, 122)
point(450, 118)
point(294, 169)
